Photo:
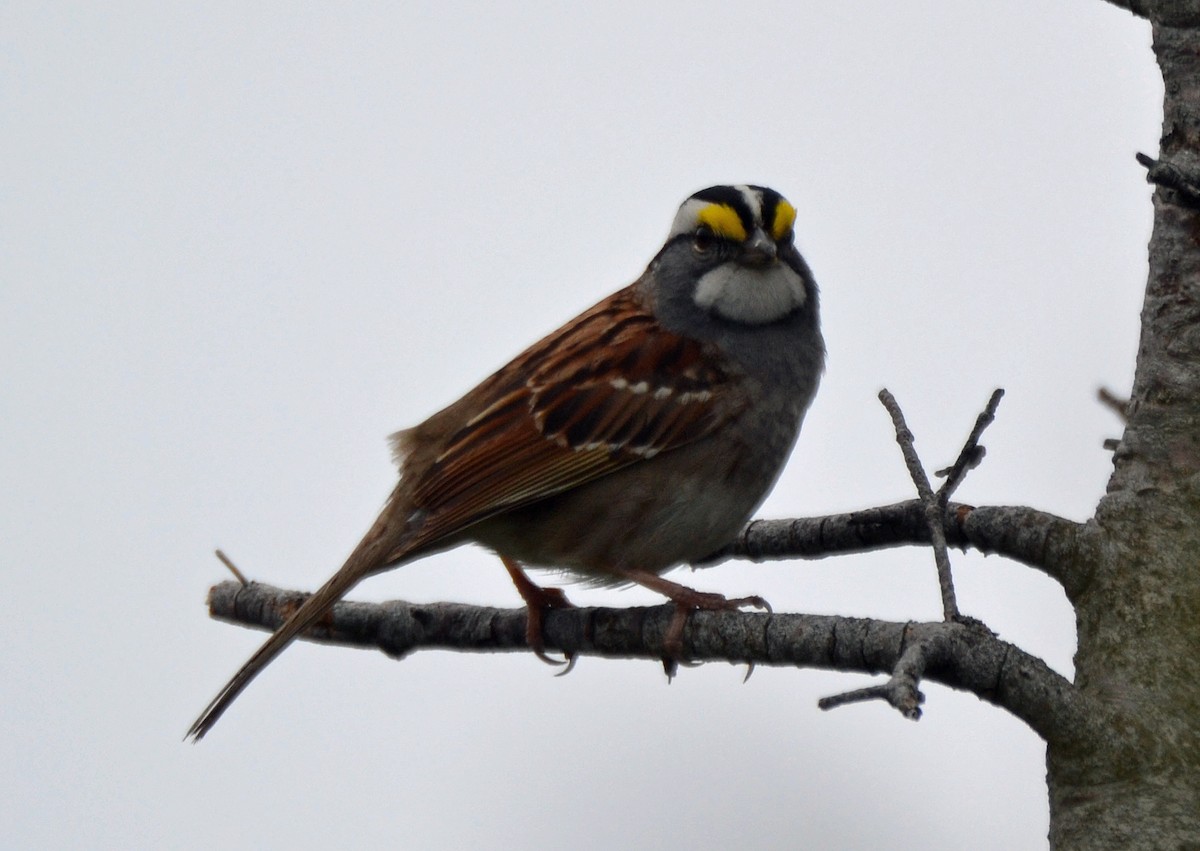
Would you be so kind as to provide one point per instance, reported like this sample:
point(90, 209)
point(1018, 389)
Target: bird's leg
point(537, 601)
point(686, 600)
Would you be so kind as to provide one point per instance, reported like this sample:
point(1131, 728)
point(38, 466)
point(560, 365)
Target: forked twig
point(902, 689)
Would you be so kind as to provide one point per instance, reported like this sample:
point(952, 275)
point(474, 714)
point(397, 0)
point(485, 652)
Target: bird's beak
point(758, 251)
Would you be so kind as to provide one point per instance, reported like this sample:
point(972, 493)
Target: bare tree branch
point(956, 655)
point(1035, 538)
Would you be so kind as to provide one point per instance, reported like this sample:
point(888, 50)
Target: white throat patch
point(750, 296)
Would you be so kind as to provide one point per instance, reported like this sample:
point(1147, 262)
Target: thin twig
point(1115, 403)
point(972, 453)
point(933, 509)
point(232, 568)
point(902, 690)
point(861, 695)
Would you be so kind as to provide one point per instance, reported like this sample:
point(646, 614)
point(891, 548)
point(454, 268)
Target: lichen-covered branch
point(967, 658)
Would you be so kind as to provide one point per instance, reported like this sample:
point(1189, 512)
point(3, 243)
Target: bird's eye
point(703, 239)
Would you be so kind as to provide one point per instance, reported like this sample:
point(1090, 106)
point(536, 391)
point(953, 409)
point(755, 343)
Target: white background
point(241, 243)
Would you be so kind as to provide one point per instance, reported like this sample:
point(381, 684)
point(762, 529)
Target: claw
point(538, 601)
point(569, 658)
point(686, 600)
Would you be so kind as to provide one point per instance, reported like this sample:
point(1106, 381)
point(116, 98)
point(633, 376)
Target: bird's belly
point(643, 517)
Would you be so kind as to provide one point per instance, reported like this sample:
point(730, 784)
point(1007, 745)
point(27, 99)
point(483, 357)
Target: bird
point(639, 436)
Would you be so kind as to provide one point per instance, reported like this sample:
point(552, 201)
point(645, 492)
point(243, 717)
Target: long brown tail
point(377, 549)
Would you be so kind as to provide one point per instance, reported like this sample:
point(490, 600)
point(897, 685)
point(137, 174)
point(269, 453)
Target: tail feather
point(376, 549)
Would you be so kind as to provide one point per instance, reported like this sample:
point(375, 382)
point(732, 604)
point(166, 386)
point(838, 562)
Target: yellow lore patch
point(724, 221)
point(785, 217)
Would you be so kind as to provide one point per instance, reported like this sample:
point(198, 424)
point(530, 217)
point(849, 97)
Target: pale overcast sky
point(242, 243)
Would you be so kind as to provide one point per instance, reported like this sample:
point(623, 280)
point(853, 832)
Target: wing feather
point(609, 389)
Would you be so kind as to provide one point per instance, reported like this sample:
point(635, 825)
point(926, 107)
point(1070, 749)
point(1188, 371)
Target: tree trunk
point(1134, 781)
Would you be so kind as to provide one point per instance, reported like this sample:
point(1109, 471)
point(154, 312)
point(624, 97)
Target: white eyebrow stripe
point(685, 220)
point(753, 200)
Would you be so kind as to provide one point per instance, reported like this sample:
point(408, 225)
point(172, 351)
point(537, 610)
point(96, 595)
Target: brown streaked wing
point(609, 389)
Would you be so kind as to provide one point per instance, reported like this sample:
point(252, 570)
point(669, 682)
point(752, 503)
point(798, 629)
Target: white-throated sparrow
point(639, 436)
